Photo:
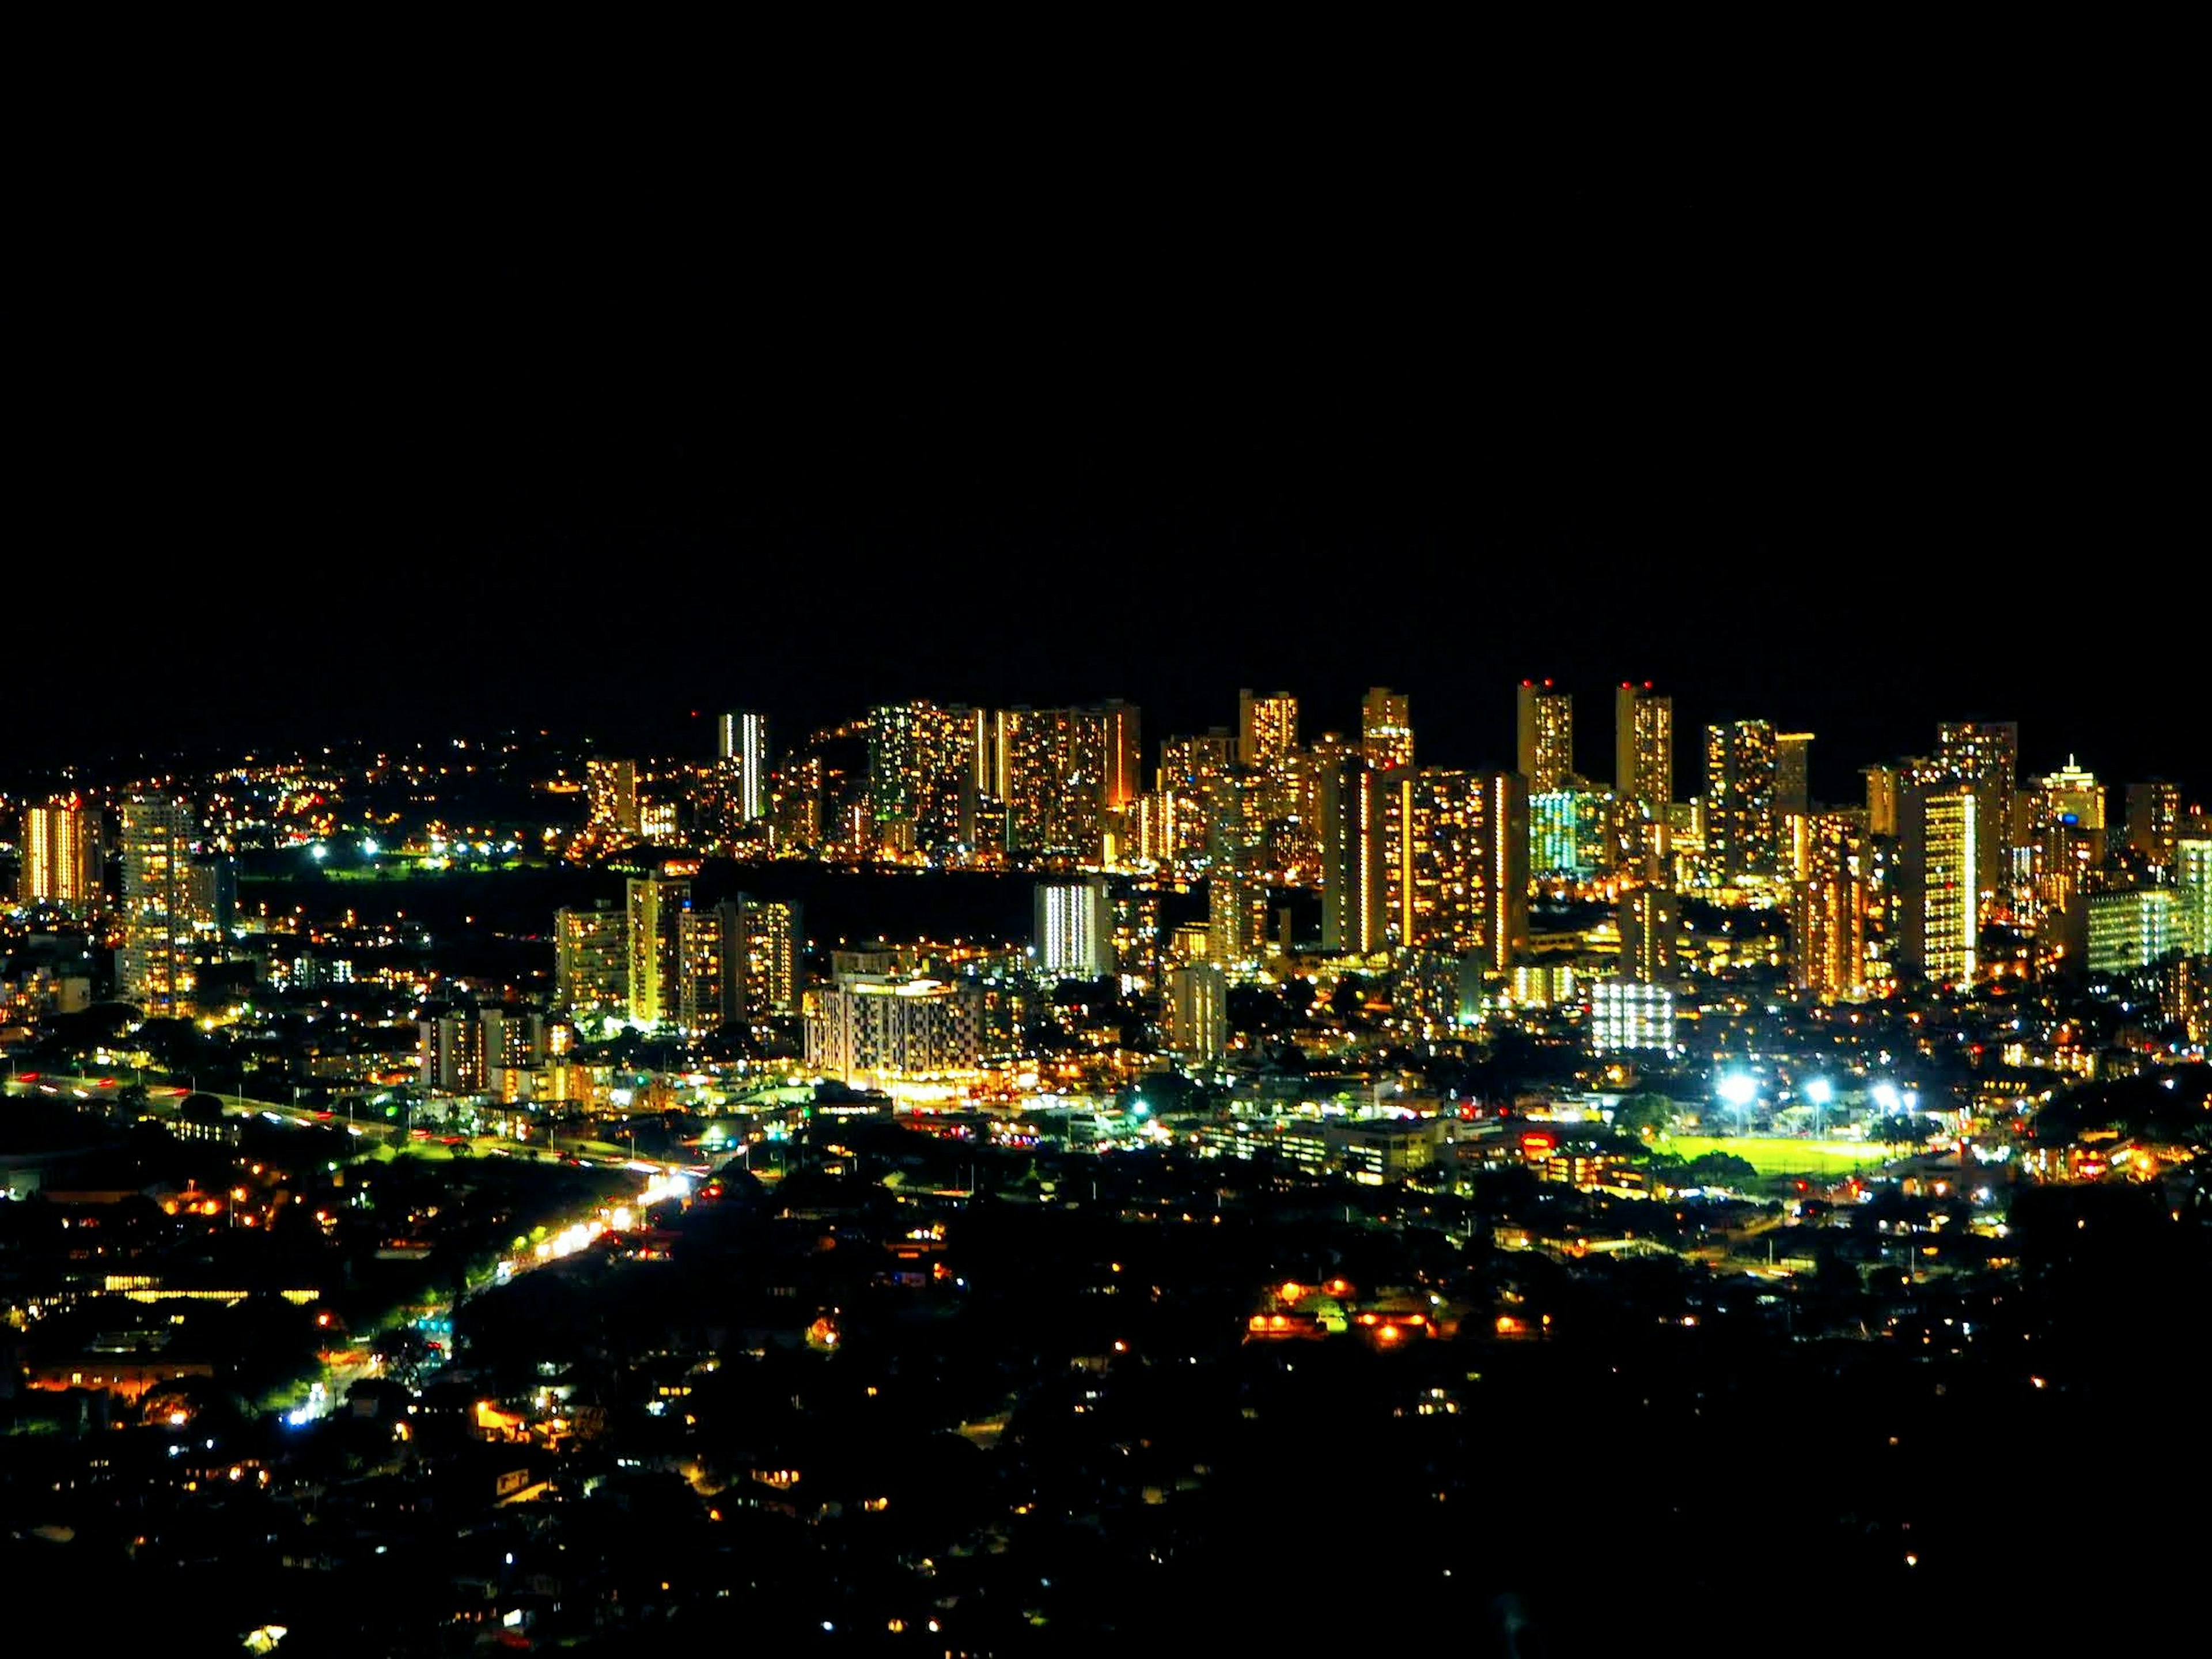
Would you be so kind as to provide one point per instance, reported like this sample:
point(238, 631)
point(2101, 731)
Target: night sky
point(1887, 446)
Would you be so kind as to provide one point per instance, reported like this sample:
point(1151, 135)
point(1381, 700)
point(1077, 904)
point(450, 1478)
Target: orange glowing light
point(1291, 1290)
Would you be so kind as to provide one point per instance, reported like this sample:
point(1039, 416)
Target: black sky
point(420, 442)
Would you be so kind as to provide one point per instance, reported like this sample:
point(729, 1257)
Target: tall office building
point(1643, 746)
point(1053, 766)
point(2064, 818)
point(746, 760)
point(1457, 873)
point(1386, 730)
point(1075, 936)
point(738, 963)
point(1828, 911)
point(1938, 918)
point(2122, 929)
point(1568, 834)
point(2192, 883)
point(1984, 755)
point(922, 772)
point(591, 962)
point(1544, 722)
point(1196, 1012)
point(1235, 918)
point(61, 856)
point(1742, 830)
point(654, 938)
point(1793, 779)
point(2153, 820)
point(1123, 750)
point(1266, 727)
point(165, 908)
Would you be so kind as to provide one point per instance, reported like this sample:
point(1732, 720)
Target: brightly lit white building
point(1626, 1015)
point(1075, 929)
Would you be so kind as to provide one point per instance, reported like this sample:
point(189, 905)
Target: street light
point(1820, 1092)
point(1738, 1089)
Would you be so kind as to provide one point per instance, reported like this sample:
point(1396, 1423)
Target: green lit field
point(1785, 1155)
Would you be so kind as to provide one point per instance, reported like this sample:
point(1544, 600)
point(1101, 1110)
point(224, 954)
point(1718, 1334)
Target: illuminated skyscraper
point(1266, 727)
point(1457, 847)
point(2065, 819)
point(1386, 730)
point(1237, 919)
point(654, 930)
point(611, 787)
point(61, 856)
point(1828, 912)
point(1075, 936)
point(1567, 833)
point(1196, 1012)
point(1054, 765)
point(1188, 768)
point(1124, 750)
point(1544, 724)
point(1643, 746)
point(737, 962)
point(746, 760)
point(164, 908)
point(2153, 820)
point(2192, 882)
point(1742, 832)
point(2120, 930)
point(1793, 782)
point(1938, 928)
point(591, 962)
point(799, 804)
point(1984, 755)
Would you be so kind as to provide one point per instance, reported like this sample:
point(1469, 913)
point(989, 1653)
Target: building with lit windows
point(459, 1051)
point(1938, 917)
point(167, 909)
point(62, 856)
point(738, 963)
point(1237, 919)
point(654, 936)
point(2192, 887)
point(1266, 727)
point(1196, 1012)
point(1793, 772)
point(2153, 820)
point(1829, 904)
point(1743, 831)
point(798, 811)
point(2118, 932)
point(610, 789)
point(1568, 831)
point(1643, 746)
point(1627, 1016)
point(1052, 767)
point(1386, 730)
point(869, 1029)
point(1456, 851)
point(1074, 931)
point(746, 760)
point(1650, 923)
point(1984, 755)
point(2064, 816)
point(1544, 724)
point(591, 962)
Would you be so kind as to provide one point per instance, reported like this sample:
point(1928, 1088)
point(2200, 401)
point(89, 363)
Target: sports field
point(1786, 1155)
